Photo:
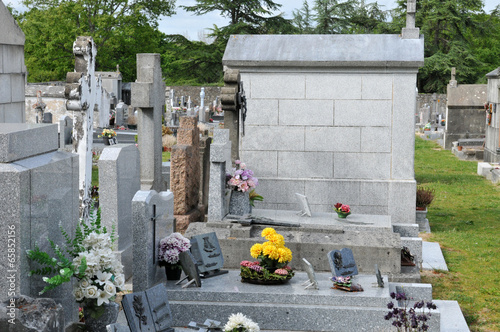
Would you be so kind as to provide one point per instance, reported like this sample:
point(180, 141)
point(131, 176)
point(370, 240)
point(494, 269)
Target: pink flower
point(281, 272)
point(287, 267)
point(243, 165)
point(244, 187)
point(246, 263)
point(237, 162)
point(345, 208)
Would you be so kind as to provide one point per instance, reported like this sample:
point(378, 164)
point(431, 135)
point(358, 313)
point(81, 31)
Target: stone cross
point(148, 94)
point(84, 94)
point(453, 80)
point(201, 114)
point(410, 32)
point(231, 108)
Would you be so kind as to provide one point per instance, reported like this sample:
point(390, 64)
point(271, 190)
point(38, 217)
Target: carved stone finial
point(453, 82)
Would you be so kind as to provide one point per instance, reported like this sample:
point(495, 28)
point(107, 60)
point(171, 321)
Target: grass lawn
point(464, 219)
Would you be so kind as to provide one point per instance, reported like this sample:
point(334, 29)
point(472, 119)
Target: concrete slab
point(433, 258)
point(452, 319)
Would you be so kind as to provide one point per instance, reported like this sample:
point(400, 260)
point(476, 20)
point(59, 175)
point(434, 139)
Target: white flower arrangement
point(103, 276)
point(240, 323)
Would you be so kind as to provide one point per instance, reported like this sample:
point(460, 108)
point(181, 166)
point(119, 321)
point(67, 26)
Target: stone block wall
point(327, 126)
point(12, 69)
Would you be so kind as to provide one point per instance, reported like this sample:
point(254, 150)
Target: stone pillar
point(152, 218)
point(201, 113)
point(205, 143)
point(119, 180)
point(185, 173)
point(148, 94)
point(220, 155)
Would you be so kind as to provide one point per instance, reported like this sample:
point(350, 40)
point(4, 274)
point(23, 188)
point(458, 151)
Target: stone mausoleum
point(331, 117)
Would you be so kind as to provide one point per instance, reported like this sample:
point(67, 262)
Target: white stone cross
point(84, 97)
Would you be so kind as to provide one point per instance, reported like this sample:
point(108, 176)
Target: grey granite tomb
point(207, 252)
point(39, 192)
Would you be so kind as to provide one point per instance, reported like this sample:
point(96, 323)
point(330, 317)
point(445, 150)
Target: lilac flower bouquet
point(171, 246)
point(242, 179)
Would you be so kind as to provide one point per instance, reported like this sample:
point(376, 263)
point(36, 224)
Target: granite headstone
point(190, 268)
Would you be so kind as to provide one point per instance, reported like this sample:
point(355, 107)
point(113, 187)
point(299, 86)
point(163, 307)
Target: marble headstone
point(342, 263)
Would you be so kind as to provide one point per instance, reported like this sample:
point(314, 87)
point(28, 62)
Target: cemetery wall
point(336, 124)
point(465, 117)
point(12, 69)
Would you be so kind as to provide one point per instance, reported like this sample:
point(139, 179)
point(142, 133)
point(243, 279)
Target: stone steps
point(287, 307)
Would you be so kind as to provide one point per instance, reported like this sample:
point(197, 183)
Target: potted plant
point(273, 258)
point(424, 198)
point(89, 258)
point(108, 135)
point(241, 181)
point(168, 254)
point(343, 210)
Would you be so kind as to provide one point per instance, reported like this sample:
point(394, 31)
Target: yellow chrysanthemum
point(268, 232)
point(270, 251)
point(256, 250)
point(285, 255)
point(277, 239)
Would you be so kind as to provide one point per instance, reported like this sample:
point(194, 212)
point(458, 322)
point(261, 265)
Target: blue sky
point(193, 26)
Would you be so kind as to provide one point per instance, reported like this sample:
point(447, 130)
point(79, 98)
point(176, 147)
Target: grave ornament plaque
point(342, 263)
point(208, 254)
point(380, 280)
point(149, 310)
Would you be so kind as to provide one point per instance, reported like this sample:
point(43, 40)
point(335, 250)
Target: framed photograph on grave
point(305, 209)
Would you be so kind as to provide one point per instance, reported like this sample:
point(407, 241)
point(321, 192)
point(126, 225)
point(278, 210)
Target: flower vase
point(98, 324)
point(239, 203)
point(343, 215)
point(173, 271)
point(106, 140)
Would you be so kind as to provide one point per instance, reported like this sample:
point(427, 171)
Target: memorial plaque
point(136, 308)
point(160, 309)
point(312, 282)
point(342, 263)
point(149, 310)
point(207, 252)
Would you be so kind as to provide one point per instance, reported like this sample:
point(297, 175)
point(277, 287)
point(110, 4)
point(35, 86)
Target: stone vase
point(99, 324)
point(105, 140)
point(239, 203)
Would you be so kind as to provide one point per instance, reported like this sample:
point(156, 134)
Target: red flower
point(338, 205)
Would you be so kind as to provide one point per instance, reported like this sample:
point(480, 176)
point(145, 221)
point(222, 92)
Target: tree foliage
point(120, 29)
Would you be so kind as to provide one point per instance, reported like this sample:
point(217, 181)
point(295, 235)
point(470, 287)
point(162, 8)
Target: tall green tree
point(450, 28)
point(333, 16)
point(120, 29)
point(303, 19)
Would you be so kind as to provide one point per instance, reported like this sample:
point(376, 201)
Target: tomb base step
point(287, 307)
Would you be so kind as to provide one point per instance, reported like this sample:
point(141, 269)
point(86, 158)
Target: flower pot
point(105, 140)
point(459, 148)
point(173, 271)
point(98, 324)
point(343, 215)
point(239, 203)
